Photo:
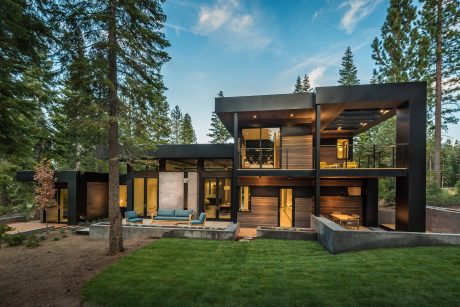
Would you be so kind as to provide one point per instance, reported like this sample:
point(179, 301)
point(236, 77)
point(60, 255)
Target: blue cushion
point(170, 218)
point(165, 212)
point(183, 213)
point(134, 220)
point(202, 217)
point(196, 222)
point(131, 214)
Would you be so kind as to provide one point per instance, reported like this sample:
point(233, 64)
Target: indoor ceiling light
point(339, 128)
point(292, 115)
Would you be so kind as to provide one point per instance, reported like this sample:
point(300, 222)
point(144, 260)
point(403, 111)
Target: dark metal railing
point(331, 156)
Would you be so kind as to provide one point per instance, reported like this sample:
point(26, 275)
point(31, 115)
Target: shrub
point(42, 238)
point(14, 239)
point(3, 230)
point(55, 239)
point(62, 231)
point(31, 241)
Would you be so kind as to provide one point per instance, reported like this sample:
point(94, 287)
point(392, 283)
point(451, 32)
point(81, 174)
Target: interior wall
point(171, 190)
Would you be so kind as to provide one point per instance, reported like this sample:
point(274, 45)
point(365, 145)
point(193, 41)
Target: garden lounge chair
point(200, 221)
point(131, 217)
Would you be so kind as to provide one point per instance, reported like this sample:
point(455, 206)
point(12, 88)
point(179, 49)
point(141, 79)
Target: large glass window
point(184, 165)
point(245, 199)
point(285, 208)
point(123, 195)
point(217, 198)
point(342, 149)
point(139, 196)
point(260, 148)
point(218, 165)
point(152, 192)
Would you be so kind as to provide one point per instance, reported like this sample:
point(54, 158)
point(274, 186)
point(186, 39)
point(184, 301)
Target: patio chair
point(200, 221)
point(353, 221)
point(131, 217)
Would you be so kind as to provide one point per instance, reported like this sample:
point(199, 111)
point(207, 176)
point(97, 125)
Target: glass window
point(152, 192)
point(184, 165)
point(210, 197)
point(218, 165)
point(285, 208)
point(123, 195)
point(139, 196)
point(342, 149)
point(245, 199)
point(260, 148)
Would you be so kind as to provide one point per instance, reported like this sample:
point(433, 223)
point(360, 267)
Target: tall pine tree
point(127, 38)
point(176, 125)
point(298, 85)
point(348, 73)
point(217, 132)
point(306, 87)
point(440, 33)
point(188, 135)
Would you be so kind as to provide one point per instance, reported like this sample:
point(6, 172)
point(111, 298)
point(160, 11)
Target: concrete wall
point(337, 239)
point(100, 231)
point(440, 220)
point(192, 195)
point(171, 190)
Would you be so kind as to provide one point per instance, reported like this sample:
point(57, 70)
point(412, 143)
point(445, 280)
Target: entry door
point(286, 208)
point(145, 196)
point(217, 198)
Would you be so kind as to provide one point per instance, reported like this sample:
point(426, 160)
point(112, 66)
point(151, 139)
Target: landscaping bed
point(53, 273)
point(276, 273)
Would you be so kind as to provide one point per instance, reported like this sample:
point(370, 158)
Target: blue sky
point(251, 47)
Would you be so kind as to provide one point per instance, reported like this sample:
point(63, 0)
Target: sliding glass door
point(217, 198)
point(285, 211)
point(145, 196)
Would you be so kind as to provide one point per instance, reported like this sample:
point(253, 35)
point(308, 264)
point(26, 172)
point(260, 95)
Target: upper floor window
point(218, 165)
point(342, 149)
point(260, 148)
point(183, 165)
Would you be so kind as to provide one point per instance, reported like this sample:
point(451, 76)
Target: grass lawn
point(277, 273)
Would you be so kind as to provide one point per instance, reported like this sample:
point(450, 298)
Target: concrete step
point(83, 231)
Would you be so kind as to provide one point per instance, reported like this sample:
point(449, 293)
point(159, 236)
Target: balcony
point(357, 156)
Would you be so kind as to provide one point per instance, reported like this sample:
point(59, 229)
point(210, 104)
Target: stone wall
point(171, 190)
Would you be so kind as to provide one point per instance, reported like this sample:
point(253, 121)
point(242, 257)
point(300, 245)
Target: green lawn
point(277, 273)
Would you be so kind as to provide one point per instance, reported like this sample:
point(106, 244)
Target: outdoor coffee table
point(341, 217)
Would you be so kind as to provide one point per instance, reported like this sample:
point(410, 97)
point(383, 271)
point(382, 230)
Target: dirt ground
point(53, 273)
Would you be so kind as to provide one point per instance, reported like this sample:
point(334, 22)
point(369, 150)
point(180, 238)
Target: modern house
point(293, 156)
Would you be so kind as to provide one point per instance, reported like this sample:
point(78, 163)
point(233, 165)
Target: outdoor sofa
point(175, 215)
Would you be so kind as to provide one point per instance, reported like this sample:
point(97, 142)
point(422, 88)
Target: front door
point(285, 210)
point(217, 198)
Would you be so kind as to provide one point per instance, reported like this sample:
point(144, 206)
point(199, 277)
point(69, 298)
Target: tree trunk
point(115, 238)
point(4, 199)
point(438, 96)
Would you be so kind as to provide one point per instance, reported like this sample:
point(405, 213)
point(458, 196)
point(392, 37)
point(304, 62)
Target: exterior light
point(339, 128)
point(254, 116)
point(292, 115)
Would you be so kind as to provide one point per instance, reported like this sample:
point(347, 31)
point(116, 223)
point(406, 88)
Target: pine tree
point(399, 55)
point(298, 86)
point(217, 132)
point(176, 125)
point(187, 133)
point(348, 73)
point(127, 40)
point(306, 88)
point(440, 32)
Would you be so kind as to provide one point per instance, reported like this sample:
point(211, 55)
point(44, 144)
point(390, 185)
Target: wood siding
point(97, 200)
point(264, 212)
point(303, 211)
point(297, 152)
point(274, 181)
point(347, 205)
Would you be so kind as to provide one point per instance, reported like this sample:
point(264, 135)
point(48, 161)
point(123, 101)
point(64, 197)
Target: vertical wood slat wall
point(297, 152)
point(303, 211)
point(264, 212)
point(97, 200)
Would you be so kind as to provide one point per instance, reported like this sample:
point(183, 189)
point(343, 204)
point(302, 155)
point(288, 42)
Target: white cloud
point(357, 10)
point(229, 23)
point(316, 75)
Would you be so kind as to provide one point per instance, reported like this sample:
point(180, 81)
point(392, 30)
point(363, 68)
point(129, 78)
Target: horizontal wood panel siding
point(264, 212)
point(347, 205)
point(97, 200)
point(329, 155)
point(297, 152)
point(341, 182)
point(303, 211)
